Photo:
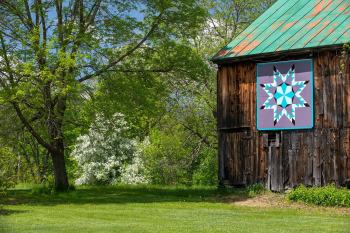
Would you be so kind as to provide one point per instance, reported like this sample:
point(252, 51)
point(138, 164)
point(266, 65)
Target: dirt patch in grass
point(275, 200)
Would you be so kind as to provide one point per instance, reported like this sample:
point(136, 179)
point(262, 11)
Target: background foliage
point(7, 169)
point(145, 116)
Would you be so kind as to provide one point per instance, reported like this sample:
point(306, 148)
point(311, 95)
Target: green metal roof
point(291, 25)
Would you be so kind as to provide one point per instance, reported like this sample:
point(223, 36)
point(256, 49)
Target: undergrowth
point(323, 196)
point(255, 190)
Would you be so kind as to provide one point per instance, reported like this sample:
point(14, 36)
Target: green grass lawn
point(154, 209)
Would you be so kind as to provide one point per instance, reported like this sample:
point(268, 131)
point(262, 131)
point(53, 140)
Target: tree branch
point(29, 15)
point(199, 135)
point(29, 127)
point(129, 52)
point(142, 71)
point(18, 13)
point(93, 12)
point(15, 105)
point(58, 4)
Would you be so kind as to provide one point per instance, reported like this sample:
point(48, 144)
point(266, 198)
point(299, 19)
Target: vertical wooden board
point(221, 155)
point(280, 170)
point(230, 101)
point(326, 99)
point(225, 156)
point(316, 159)
point(223, 95)
point(246, 107)
point(269, 170)
point(253, 104)
point(275, 166)
point(237, 162)
point(328, 166)
point(342, 168)
point(335, 156)
point(292, 169)
point(272, 168)
point(229, 159)
point(244, 156)
point(324, 155)
point(346, 93)
point(253, 87)
point(243, 105)
point(241, 160)
point(259, 156)
point(298, 157)
point(346, 153)
point(333, 111)
point(251, 167)
point(301, 155)
point(339, 100)
point(263, 158)
point(309, 141)
point(318, 85)
point(250, 74)
point(255, 155)
point(285, 161)
point(233, 118)
point(234, 162)
point(235, 157)
point(236, 111)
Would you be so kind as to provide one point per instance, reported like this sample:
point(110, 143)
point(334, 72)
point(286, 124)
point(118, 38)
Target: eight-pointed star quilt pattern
point(285, 95)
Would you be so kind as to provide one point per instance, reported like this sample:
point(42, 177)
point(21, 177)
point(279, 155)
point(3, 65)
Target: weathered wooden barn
point(284, 97)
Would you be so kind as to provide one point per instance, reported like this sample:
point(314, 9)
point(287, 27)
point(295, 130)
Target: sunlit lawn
point(154, 209)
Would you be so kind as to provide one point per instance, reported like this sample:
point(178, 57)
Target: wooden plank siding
point(285, 159)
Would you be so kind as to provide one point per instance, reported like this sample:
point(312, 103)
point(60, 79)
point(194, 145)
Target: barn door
point(275, 168)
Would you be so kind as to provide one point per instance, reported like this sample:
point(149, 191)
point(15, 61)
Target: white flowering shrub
point(104, 151)
point(134, 173)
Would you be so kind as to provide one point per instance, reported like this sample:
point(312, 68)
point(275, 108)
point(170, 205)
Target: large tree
point(52, 51)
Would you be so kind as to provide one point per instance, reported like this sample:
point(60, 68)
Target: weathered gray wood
point(265, 139)
point(309, 153)
point(292, 169)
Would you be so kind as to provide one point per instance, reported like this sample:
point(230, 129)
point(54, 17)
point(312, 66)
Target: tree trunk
point(59, 166)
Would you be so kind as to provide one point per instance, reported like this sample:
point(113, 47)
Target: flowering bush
point(134, 173)
point(104, 150)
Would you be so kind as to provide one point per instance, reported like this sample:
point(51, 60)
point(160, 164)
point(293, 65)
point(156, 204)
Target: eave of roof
point(278, 55)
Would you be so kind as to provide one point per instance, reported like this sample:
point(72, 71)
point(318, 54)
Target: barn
point(283, 98)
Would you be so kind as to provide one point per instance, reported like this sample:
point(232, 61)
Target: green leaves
point(145, 59)
point(7, 169)
point(323, 196)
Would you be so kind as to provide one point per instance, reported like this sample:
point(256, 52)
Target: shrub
point(207, 171)
point(134, 172)
point(103, 151)
point(255, 189)
point(7, 169)
point(324, 196)
point(167, 159)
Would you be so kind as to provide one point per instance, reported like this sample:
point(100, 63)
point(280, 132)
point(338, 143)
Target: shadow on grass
point(4, 212)
point(124, 195)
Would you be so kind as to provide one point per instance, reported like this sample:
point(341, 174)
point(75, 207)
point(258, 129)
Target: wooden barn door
point(275, 176)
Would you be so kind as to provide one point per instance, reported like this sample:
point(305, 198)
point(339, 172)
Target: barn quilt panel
point(285, 95)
